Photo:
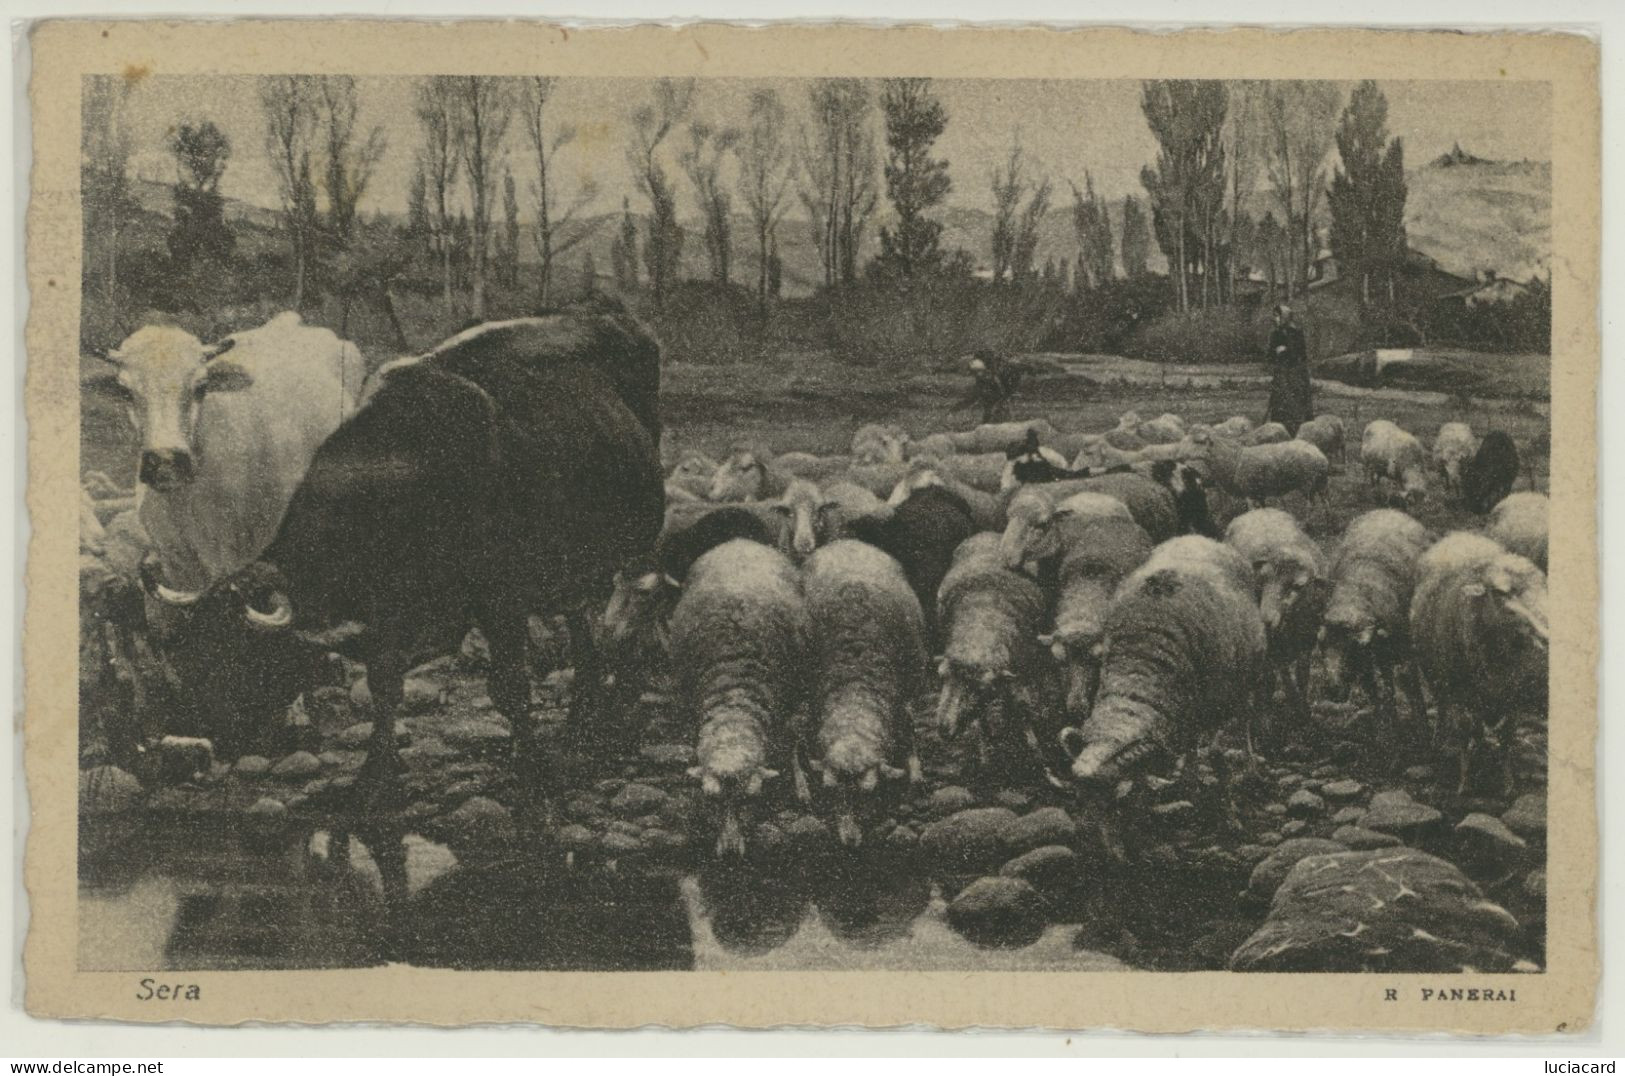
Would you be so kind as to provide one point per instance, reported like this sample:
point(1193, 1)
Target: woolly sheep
point(982, 470)
point(1519, 523)
point(935, 446)
point(1235, 426)
point(1259, 472)
point(1165, 429)
point(1292, 588)
point(806, 465)
point(921, 533)
point(1097, 552)
point(1479, 632)
point(748, 474)
point(1036, 527)
point(1327, 433)
point(987, 510)
point(994, 672)
point(1151, 504)
point(739, 639)
point(875, 443)
point(1487, 478)
point(1453, 447)
point(1270, 433)
point(811, 517)
point(878, 478)
point(1365, 633)
point(869, 662)
point(998, 436)
point(1125, 436)
point(1388, 452)
point(1031, 462)
point(1183, 655)
point(693, 473)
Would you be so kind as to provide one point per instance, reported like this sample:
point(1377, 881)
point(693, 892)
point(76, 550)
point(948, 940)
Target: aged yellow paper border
point(1561, 999)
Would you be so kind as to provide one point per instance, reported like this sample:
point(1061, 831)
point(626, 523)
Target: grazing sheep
point(1487, 478)
point(1184, 653)
point(875, 443)
point(982, 470)
point(748, 474)
point(1235, 427)
point(1327, 433)
point(739, 639)
point(1292, 591)
point(1189, 491)
point(1388, 452)
point(921, 533)
point(997, 436)
point(676, 494)
point(693, 473)
point(1259, 472)
point(1270, 433)
point(1096, 552)
point(844, 502)
point(994, 672)
point(811, 467)
point(985, 508)
point(1453, 447)
point(1030, 462)
point(1165, 429)
point(1125, 436)
point(1519, 523)
point(1479, 631)
point(881, 478)
point(869, 663)
point(634, 627)
point(1036, 528)
point(799, 509)
point(935, 446)
point(1365, 632)
point(1151, 504)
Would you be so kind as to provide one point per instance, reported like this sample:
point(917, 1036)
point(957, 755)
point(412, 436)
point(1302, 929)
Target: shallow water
point(206, 893)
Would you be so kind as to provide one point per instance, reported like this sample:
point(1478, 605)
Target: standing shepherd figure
point(995, 384)
point(1291, 403)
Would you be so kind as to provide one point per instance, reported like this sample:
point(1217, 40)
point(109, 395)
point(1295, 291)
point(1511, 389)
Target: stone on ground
point(998, 912)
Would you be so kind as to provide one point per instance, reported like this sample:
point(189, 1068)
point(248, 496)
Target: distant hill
point(1482, 214)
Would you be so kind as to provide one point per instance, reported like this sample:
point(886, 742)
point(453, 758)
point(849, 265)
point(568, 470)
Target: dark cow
point(506, 473)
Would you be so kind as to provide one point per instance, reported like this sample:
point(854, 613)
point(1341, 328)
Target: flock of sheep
point(1088, 619)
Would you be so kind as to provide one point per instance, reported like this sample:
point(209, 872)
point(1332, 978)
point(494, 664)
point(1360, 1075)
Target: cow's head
point(161, 374)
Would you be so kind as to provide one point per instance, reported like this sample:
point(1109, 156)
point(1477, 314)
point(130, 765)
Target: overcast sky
point(1065, 126)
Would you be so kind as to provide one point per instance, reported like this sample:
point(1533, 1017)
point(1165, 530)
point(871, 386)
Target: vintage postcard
point(812, 525)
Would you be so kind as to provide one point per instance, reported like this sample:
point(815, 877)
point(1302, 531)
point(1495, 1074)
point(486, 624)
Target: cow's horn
point(279, 616)
point(175, 597)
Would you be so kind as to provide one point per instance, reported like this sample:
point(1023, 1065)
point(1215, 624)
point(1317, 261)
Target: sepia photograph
point(574, 519)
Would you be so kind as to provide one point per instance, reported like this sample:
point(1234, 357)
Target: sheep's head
point(694, 468)
point(1128, 420)
point(740, 477)
point(883, 446)
point(1078, 647)
point(1282, 584)
point(1347, 639)
point(922, 472)
point(798, 511)
point(854, 772)
point(1512, 591)
point(635, 621)
point(734, 793)
point(970, 692)
point(1029, 530)
point(1105, 761)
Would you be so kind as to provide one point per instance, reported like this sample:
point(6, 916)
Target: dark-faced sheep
point(869, 662)
point(986, 509)
point(739, 639)
point(1395, 455)
point(994, 672)
point(1292, 589)
point(1487, 478)
point(921, 533)
point(1479, 632)
point(1365, 632)
point(1519, 523)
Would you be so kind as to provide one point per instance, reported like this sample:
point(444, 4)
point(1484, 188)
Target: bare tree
point(289, 105)
point(557, 230)
point(105, 167)
point(1009, 187)
point(484, 109)
point(764, 176)
point(702, 161)
point(651, 123)
point(1027, 227)
point(350, 160)
point(1299, 121)
point(1244, 149)
point(839, 164)
point(440, 162)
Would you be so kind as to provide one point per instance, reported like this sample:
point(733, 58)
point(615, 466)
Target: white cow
point(227, 432)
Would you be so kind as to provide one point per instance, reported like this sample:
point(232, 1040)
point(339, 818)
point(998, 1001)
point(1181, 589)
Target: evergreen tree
point(1367, 195)
point(199, 234)
point(915, 181)
point(1093, 226)
point(1136, 241)
point(623, 253)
